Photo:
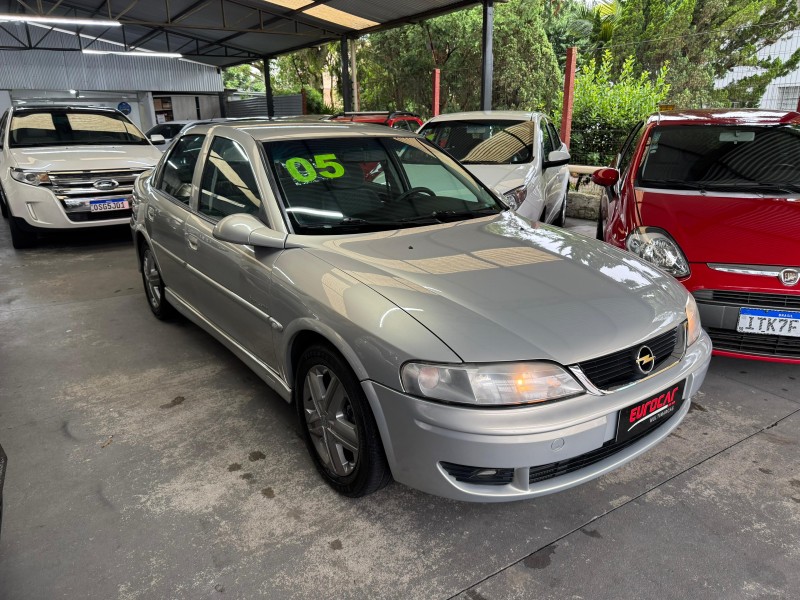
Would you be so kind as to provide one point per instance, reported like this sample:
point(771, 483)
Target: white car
point(169, 130)
point(65, 167)
point(518, 154)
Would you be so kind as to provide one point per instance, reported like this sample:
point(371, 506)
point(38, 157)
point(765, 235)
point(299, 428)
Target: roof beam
point(278, 17)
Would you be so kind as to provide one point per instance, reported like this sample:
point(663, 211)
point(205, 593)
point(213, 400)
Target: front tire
point(154, 287)
point(338, 425)
point(21, 236)
point(3, 204)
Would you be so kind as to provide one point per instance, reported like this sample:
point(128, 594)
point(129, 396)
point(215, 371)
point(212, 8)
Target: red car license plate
point(649, 413)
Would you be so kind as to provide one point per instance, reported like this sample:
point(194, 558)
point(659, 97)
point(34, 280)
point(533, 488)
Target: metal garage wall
point(285, 106)
point(53, 70)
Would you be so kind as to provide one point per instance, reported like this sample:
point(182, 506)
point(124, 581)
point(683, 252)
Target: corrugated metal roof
point(48, 70)
point(227, 32)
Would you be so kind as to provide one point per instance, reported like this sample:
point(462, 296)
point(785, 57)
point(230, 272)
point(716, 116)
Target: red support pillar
point(436, 81)
point(569, 94)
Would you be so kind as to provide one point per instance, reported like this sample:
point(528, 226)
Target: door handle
point(193, 241)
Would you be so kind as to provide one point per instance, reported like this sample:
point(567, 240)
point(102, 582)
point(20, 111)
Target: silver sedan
point(424, 331)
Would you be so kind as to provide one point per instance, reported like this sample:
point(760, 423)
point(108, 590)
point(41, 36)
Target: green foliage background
point(633, 54)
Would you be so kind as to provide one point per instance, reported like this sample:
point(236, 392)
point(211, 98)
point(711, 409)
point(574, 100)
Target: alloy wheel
point(330, 420)
point(152, 279)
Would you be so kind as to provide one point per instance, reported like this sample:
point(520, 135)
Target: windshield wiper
point(431, 219)
point(453, 215)
point(680, 184)
point(445, 216)
point(784, 188)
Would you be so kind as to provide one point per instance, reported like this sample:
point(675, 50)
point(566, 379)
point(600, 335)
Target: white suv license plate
point(104, 205)
point(769, 322)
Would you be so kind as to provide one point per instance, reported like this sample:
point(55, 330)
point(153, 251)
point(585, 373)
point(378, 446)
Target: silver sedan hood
point(502, 288)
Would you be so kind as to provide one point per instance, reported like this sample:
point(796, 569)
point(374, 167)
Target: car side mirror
point(556, 158)
point(605, 177)
point(246, 229)
point(157, 139)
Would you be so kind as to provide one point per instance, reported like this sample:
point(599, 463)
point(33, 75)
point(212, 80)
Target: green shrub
point(608, 104)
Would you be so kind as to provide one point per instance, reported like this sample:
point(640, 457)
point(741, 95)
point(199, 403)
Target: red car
point(713, 198)
point(405, 121)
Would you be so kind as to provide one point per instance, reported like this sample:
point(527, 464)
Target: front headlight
point(30, 177)
point(657, 247)
point(490, 385)
point(693, 327)
point(514, 198)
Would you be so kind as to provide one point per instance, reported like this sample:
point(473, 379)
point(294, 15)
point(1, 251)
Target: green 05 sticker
point(325, 165)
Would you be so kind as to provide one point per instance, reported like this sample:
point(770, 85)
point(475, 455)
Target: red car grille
point(779, 346)
point(753, 299)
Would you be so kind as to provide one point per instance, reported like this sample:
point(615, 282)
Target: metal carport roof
point(220, 32)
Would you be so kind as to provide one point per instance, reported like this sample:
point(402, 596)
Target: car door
point(231, 282)
point(561, 173)
point(616, 196)
point(551, 178)
point(168, 209)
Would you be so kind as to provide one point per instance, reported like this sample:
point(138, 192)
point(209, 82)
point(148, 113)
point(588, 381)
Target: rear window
point(65, 127)
point(484, 142)
point(725, 157)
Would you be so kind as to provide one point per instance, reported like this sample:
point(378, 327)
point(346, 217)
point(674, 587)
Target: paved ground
point(147, 462)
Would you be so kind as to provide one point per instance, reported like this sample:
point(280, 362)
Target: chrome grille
point(754, 299)
point(619, 368)
point(67, 184)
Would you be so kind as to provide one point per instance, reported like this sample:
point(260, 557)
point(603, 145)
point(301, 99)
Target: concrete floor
point(147, 462)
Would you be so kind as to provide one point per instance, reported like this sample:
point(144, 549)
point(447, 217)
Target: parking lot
point(146, 461)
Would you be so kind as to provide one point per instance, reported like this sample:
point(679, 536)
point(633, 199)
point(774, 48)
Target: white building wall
point(783, 93)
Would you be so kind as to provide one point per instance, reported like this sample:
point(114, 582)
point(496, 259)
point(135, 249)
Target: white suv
point(64, 167)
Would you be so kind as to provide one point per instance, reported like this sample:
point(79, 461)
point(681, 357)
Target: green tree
point(607, 104)
point(703, 40)
point(396, 66)
point(246, 78)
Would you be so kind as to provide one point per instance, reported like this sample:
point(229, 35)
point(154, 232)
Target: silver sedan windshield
point(332, 185)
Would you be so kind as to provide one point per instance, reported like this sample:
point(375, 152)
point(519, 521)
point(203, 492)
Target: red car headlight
point(657, 247)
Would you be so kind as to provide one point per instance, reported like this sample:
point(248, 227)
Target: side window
point(554, 136)
point(228, 185)
point(626, 155)
point(402, 125)
point(178, 169)
point(547, 141)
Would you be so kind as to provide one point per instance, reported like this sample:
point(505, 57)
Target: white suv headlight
point(490, 385)
point(657, 247)
point(30, 177)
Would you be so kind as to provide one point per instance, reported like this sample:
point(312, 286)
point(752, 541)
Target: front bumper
point(720, 296)
point(419, 435)
point(39, 207)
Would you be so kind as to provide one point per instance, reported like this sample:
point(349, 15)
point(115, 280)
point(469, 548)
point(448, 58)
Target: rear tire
point(21, 236)
point(154, 287)
point(337, 424)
